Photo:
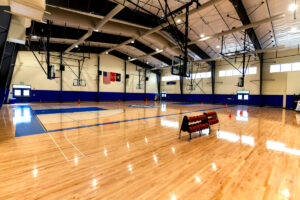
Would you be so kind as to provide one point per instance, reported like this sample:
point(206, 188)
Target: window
point(240, 97)
point(200, 75)
point(222, 73)
point(296, 67)
point(274, 68)
point(252, 70)
point(235, 72)
point(17, 93)
point(208, 74)
point(246, 97)
point(286, 67)
point(170, 78)
point(26, 93)
point(228, 72)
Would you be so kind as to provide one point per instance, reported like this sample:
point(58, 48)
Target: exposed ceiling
point(142, 15)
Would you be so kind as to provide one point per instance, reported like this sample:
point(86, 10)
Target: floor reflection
point(278, 146)
point(232, 137)
point(241, 115)
point(169, 123)
point(22, 114)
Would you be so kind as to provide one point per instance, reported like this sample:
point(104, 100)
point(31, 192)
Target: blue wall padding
point(54, 96)
point(256, 100)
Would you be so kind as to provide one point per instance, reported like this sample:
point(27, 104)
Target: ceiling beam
point(65, 32)
point(166, 24)
point(57, 47)
point(98, 26)
point(133, 16)
point(242, 13)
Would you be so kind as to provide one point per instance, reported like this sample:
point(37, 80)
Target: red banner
point(112, 76)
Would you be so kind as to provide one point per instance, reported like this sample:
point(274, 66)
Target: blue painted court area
point(185, 104)
point(26, 122)
point(66, 110)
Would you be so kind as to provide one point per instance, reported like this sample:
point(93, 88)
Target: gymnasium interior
point(150, 99)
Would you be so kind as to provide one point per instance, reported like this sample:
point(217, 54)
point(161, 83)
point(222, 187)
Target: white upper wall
point(273, 83)
point(28, 71)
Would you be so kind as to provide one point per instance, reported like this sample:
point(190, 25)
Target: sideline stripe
point(130, 120)
point(66, 110)
point(61, 151)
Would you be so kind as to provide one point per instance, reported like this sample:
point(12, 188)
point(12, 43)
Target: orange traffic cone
point(226, 105)
point(241, 112)
point(119, 101)
point(78, 101)
point(229, 115)
point(146, 100)
point(247, 109)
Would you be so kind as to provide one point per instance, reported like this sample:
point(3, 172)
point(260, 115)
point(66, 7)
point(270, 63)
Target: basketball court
point(156, 99)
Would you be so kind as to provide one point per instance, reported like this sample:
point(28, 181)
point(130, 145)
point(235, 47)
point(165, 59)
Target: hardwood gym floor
point(134, 153)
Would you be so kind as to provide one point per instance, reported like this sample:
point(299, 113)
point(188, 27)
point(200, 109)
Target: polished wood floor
point(254, 155)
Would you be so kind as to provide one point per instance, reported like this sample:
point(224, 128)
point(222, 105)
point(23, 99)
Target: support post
point(125, 81)
point(244, 58)
point(145, 86)
point(158, 82)
point(185, 59)
point(6, 70)
point(261, 63)
point(48, 46)
point(98, 78)
point(79, 70)
point(61, 78)
point(6, 49)
point(213, 81)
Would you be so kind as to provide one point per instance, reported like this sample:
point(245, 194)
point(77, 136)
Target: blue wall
point(54, 96)
point(255, 100)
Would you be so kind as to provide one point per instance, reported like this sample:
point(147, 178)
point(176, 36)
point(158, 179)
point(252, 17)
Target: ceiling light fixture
point(76, 46)
point(96, 30)
point(202, 35)
point(132, 42)
point(178, 21)
point(106, 52)
point(157, 49)
point(218, 46)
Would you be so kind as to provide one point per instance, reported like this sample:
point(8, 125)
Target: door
point(243, 97)
point(22, 93)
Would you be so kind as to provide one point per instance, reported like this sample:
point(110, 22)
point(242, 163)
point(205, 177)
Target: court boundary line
point(61, 151)
point(73, 145)
point(129, 120)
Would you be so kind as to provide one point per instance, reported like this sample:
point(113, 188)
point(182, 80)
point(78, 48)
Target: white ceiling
point(214, 20)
